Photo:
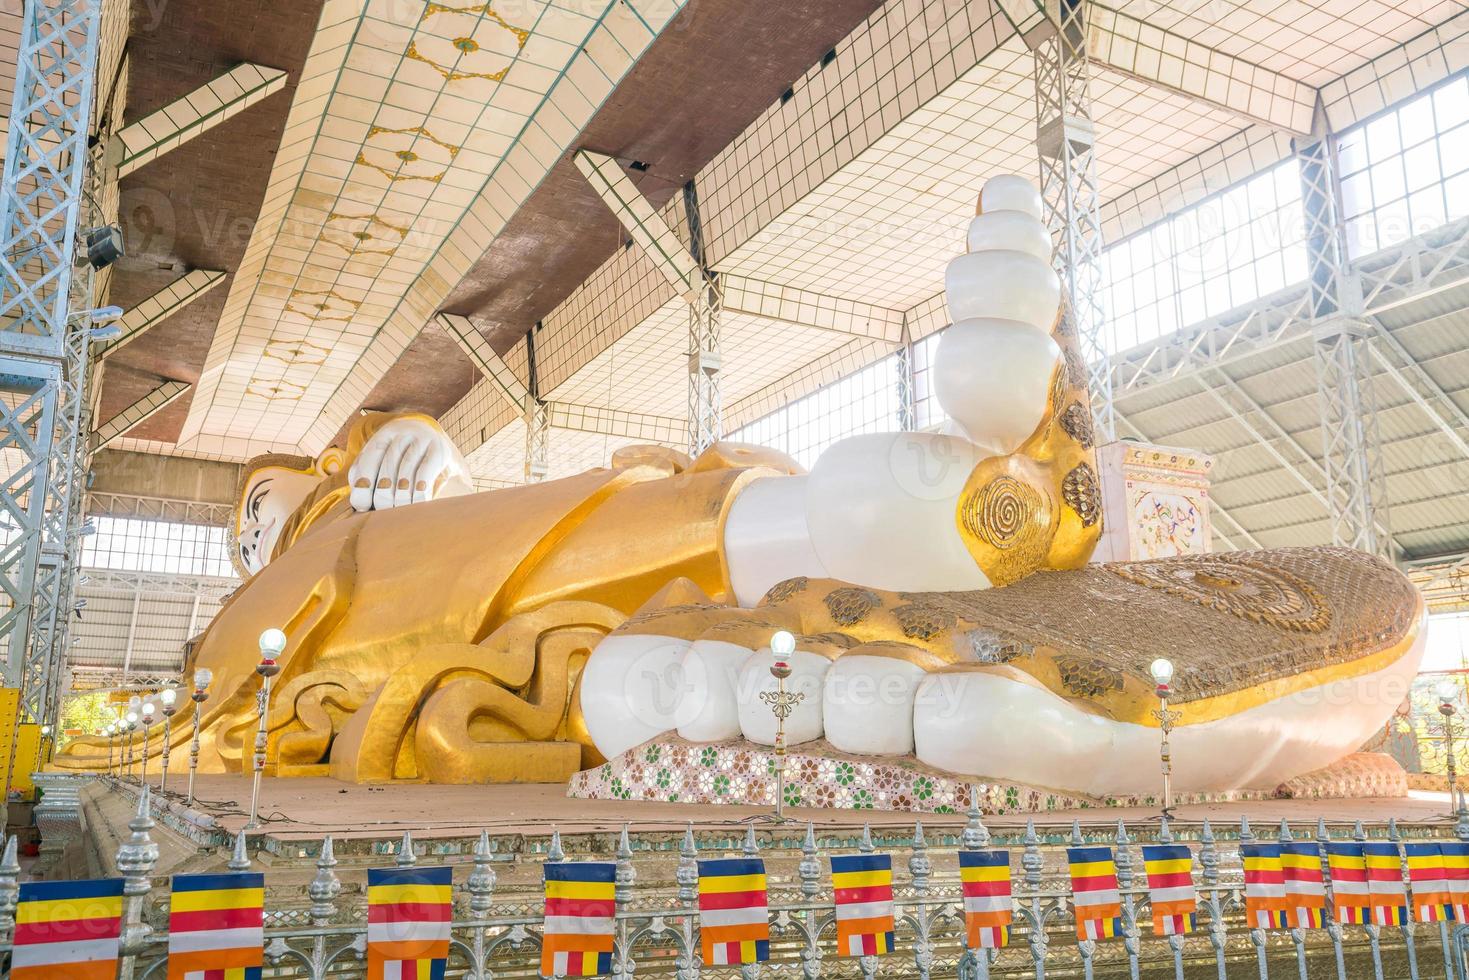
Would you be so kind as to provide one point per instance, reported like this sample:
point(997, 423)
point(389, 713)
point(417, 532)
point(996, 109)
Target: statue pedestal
point(1155, 502)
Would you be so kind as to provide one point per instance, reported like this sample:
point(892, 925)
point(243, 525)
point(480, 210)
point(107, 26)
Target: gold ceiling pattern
point(416, 130)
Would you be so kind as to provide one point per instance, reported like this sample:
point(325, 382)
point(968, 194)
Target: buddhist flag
point(1430, 879)
point(1265, 906)
point(1094, 892)
point(1385, 884)
point(581, 904)
point(734, 915)
point(988, 907)
point(1171, 888)
point(862, 889)
point(1349, 891)
point(1305, 886)
point(408, 917)
point(216, 927)
point(1456, 867)
point(67, 929)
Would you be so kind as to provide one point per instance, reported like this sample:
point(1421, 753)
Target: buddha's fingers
point(414, 454)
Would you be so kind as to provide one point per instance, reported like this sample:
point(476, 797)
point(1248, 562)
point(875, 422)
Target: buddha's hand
point(407, 461)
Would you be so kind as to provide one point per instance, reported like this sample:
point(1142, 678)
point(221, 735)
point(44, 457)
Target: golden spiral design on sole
point(998, 511)
point(1006, 519)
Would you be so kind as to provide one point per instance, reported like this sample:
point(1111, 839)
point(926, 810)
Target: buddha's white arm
point(878, 510)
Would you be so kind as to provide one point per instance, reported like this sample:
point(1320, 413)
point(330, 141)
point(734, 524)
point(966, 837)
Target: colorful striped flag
point(1385, 884)
point(67, 929)
point(408, 917)
point(1305, 886)
point(734, 915)
point(1456, 866)
point(862, 890)
point(216, 927)
point(581, 904)
point(1265, 905)
point(1171, 888)
point(1094, 892)
point(1349, 891)
point(988, 907)
point(1430, 879)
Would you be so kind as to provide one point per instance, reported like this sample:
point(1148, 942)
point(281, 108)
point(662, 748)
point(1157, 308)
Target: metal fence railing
point(320, 932)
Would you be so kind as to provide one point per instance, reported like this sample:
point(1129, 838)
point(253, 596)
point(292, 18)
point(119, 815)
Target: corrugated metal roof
point(1427, 473)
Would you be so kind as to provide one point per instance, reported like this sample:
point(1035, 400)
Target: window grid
point(1228, 250)
point(1406, 171)
point(927, 412)
point(135, 545)
point(866, 401)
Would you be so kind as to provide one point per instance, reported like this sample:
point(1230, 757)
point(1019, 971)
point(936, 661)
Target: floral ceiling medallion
point(322, 304)
point(403, 154)
point(467, 42)
point(275, 391)
point(296, 353)
point(362, 234)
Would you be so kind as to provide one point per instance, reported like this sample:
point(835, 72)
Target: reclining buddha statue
point(938, 585)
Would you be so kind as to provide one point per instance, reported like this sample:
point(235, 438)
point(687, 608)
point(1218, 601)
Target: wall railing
point(498, 932)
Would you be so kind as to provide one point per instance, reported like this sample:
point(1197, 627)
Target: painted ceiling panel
point(415, 133)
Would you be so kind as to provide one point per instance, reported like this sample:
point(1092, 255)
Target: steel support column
point(1066, 140)
point(903, 358)
point(44, 336)
point(1351, 449)
point(705, 410)
point(537, 418)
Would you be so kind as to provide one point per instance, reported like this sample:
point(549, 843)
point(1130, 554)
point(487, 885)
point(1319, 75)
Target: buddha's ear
point(331, 461)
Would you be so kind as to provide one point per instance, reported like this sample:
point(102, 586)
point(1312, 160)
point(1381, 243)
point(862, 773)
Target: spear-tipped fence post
point(1257, 936)
point(809, 870)
point(1130, 931)
point(481, 883)
point(240, 856)
point(1209, 861)
point(325, 887)
point(554, 853)
point(406, 858)
point(1033, 864)
point(687, 876)
point(625, 874)
point(136, 859)
point(1407, 927)
point(919, 866)
point(9, 888)
point(1333, 927)
point(750, 848)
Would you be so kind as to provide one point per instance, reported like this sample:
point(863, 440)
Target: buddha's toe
point(757, 720)
point(868, 704)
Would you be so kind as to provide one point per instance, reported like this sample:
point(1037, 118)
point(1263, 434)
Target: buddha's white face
point(269, 499)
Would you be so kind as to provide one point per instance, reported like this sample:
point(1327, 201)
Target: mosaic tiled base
point(670, 770)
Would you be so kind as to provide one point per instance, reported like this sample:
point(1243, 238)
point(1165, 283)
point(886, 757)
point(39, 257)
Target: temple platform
point(367, 823)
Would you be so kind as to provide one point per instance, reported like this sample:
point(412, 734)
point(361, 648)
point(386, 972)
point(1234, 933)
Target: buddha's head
point(273, 488)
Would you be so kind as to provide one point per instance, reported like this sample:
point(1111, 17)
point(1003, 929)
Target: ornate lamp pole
point(1162, 671)
point(134, 712)
point(202, 677)
point(272, 645)
point(168, 698)
point(1447, 692)
point(149, 710)
point(782, 703)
